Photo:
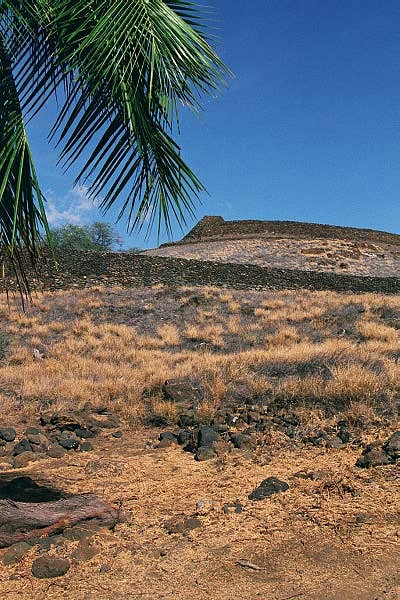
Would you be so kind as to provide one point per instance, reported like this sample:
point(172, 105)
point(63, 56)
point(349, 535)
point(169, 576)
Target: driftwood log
point(20, 521)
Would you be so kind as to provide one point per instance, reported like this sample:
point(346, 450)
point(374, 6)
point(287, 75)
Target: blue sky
point(308, 130)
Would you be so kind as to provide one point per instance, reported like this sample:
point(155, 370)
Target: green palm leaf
point(21, 207)
point(120, 70)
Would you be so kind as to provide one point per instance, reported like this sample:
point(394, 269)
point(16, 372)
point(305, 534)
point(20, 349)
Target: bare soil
point(333, 538)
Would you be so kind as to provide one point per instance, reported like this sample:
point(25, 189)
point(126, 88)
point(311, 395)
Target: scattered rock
point(45, 567)
point(204, 506)
point(182, 525)
point(39, 442)
point(23, 459)
point(82, 532)
point(117, 434)
point(222, 447)
point(373, 457)
point(267, 488)
point(343, 432)
point(392, 446)
point(84, 433)
point(84, 551)
point(206, 436)
point(158, 421)
point(22, 446)
point(32, 431)
point(242, 440)
point(55, 451)
point(166, 442)
point(68, 440)
point(167, 435)
point(205, 453)
point(15, 553)
point(183, 437)
point(94, 466)
point(366, 518)
point(86, 447)
point(182, 391)
point(314, 475)
point(188, 418)
point(52, 540)
point(319, 439)
point(378, 454)
point(8, 434)
point(232, 507)
point(334, 442)
point(105, 568)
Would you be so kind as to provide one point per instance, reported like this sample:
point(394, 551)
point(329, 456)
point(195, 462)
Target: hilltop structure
point(215, 227)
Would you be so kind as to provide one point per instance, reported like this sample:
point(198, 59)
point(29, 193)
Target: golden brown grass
point(111, 345)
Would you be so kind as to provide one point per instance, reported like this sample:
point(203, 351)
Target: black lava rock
point(32, 431)
point(373, 457)
point(241, 440)
point(206, 436)
point(392, 446)
point(167, 435)
point(205, 453)
point(84, 433)
point(187, 419)
point(15, 553)
point(268, 487)
point(183, 437)
point(49, 566)
point(68, 440)
point(8, 434)
point(158, 421)
point(343, 432)
point(22, 446)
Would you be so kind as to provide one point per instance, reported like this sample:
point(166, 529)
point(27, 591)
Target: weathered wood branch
point(21, 521)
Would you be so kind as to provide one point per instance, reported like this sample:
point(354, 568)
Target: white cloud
point(75, 207)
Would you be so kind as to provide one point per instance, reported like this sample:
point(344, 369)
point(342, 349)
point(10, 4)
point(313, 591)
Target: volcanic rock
point(268, 487)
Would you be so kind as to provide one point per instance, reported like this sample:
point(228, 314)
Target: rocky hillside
point(290, 245)
point(241, 255)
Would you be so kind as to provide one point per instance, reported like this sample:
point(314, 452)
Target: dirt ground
point(332, 538)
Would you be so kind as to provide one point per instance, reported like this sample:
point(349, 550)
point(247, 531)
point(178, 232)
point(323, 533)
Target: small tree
point(104, 235)
point(98, 236)
point(73, 237)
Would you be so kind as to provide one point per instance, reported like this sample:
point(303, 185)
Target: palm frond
point(22, 212)
point(120, 70)
point(132, 64)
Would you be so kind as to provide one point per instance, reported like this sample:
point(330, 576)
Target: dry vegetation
point(311, 349)
point(324, 356)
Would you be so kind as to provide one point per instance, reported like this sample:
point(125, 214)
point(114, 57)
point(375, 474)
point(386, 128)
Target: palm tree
point(118, 70)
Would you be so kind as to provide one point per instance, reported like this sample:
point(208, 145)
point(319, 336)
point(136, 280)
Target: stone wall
point(218, 228)
point(86, 269)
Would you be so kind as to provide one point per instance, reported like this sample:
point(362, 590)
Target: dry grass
point(111, 345)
